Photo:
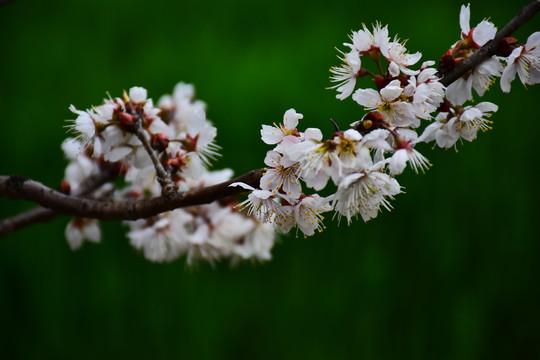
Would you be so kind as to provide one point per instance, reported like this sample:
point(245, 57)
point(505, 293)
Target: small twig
point(491, 47)
point(168, 188)
point(17, 187)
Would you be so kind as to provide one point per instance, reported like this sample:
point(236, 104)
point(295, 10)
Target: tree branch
point(491, 47)
point(17, 187)
point(41, 214)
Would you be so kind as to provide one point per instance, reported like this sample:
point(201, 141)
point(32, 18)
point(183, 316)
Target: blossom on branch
point(525, 61)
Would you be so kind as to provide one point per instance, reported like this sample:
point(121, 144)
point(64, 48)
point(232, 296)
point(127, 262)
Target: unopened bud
point(373, 120)
point(381, 81)
point(362, 72)
point(159, 142)
point(190, 143)
point(173, 165)
point(127, 122)
point(446, 64)
point(506, 46)
point(445, 106)
point(375, 116)
point(65, 187)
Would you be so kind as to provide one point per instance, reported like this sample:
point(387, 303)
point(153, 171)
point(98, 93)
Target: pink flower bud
point(159, 142)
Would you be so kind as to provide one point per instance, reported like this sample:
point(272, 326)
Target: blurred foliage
point(451, 273)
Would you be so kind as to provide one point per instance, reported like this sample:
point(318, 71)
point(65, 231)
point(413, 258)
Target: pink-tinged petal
point(286, 143)
point(296, 151)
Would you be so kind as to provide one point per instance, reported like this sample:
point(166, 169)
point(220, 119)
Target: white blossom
point(364, 193)
point(274, 134)
point(388, 101)
point(346, 74)
point(80, 229)
point(448, 128)
point(525, 60)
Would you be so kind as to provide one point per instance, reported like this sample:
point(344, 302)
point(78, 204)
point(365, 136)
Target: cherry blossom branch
point(41, 214)
point(18, 187)
point(492, 46)
point(55, 203)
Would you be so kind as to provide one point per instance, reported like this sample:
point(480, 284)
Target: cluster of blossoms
point(407, 105)
point(183, 139)
point(363, 160)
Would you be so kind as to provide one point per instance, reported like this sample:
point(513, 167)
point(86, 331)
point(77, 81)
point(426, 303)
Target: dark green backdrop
point(451, 273)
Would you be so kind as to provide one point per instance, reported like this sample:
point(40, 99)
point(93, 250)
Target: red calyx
point(127, 122)
point(381, 81)
point(65, 187)
point(506, 46)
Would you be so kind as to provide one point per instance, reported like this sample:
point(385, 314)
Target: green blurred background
point(452, 273)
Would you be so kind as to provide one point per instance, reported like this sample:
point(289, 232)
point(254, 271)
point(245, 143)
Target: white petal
point(393, 69)
point(313, 134)
point(137, 94)
point(369, 98)
point(290, 119)
point(271, 135)
point(464, 19)
point(398, 162)
point(74, 236)
point(484, 32)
